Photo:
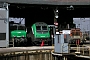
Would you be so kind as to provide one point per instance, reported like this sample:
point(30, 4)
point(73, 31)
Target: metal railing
point(81, 49)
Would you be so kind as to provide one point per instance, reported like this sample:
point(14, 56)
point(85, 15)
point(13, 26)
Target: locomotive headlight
point(14, 36)
point(23, 36)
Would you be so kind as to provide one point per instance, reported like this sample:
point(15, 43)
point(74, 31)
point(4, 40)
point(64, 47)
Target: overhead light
point(56, 16)
point(71, 6)
point(56, 10)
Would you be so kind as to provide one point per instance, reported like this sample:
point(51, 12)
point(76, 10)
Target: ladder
point(11, 43)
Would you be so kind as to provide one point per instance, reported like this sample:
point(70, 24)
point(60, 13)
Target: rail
point(19, 49)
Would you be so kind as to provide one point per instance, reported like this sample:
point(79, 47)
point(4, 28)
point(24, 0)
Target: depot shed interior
point(45, 13)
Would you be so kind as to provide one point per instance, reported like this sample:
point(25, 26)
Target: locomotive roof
point(40, 23)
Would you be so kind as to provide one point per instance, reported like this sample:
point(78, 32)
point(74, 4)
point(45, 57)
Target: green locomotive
point(19, 34)
point(40, 32)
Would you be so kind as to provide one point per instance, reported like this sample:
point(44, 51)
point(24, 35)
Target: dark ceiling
point(64, 10)
point(34, 12)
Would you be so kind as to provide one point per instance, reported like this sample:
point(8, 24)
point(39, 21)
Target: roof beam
point(50, 2)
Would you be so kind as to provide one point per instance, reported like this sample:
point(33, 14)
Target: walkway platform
point(21, 49)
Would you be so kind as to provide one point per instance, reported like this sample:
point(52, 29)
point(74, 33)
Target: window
point(2, 36)
point(21, 28)
point(44, 27)
point(13, 28)
point(38, 27)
